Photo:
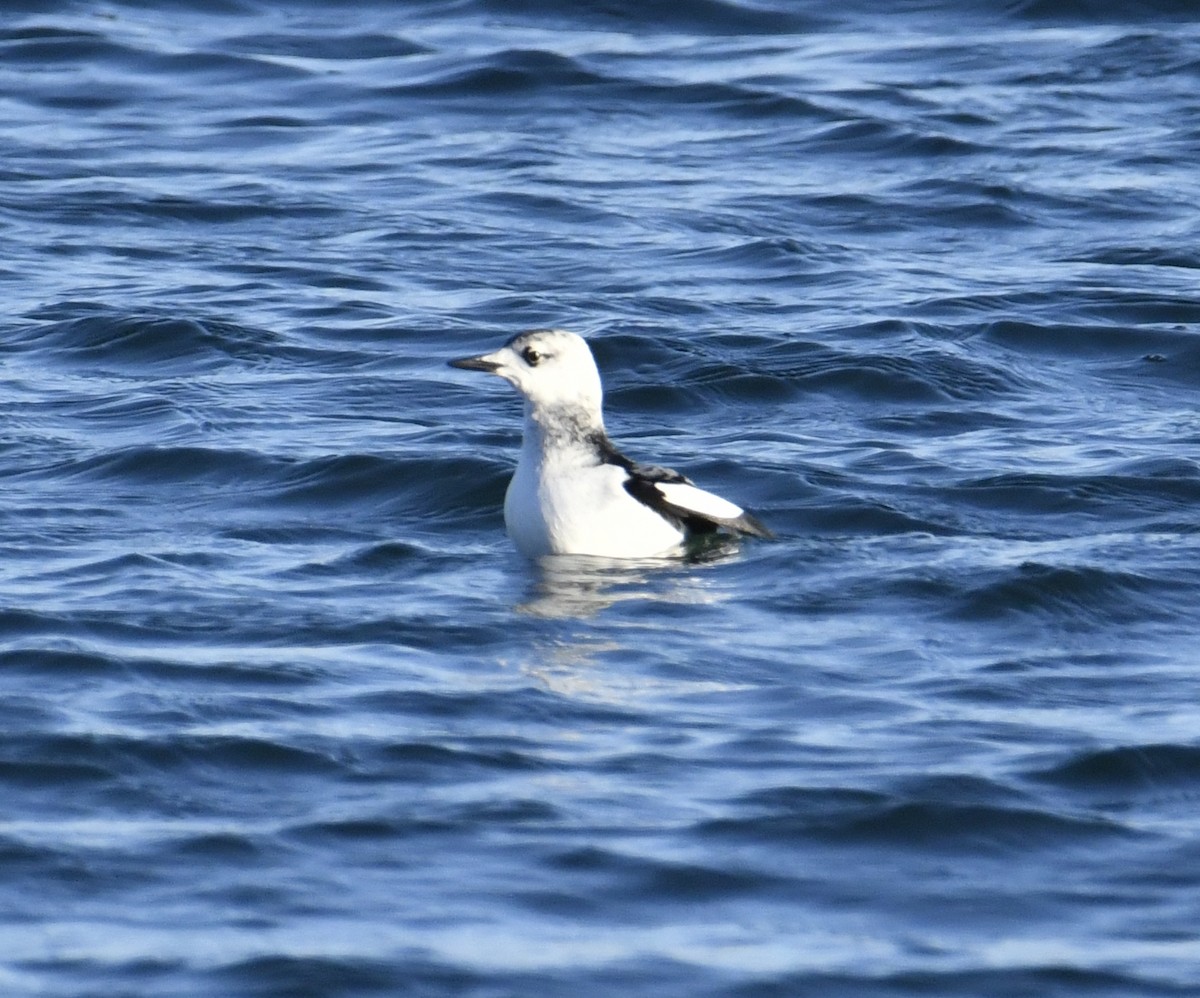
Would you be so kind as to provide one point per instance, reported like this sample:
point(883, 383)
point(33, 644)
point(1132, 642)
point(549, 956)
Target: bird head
point(550, 367)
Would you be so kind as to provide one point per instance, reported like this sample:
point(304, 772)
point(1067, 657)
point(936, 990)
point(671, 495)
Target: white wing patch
point(698, 501)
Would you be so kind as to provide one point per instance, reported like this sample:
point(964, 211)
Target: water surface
point(283, 712)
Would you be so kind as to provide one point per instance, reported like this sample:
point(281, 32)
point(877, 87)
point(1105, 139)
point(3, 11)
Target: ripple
point(513, 71)
point(332, 47)
point(869, 135)
point(132, 342)
point(1147, 768)
point(1071, 594)
point(1097, 340)
point(1155, 490)
point(795, 815)
point(919, 375)
point(285, 713)
point(714, 17)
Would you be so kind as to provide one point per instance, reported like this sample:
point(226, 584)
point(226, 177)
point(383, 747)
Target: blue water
point(283, 714)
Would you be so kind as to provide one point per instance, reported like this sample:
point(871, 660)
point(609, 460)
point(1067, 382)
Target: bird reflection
point(577, 586)
point(640, 595)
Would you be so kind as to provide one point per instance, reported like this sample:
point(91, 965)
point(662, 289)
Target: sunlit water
point(283, 712)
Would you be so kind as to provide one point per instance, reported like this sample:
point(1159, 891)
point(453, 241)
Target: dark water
point(283, 713)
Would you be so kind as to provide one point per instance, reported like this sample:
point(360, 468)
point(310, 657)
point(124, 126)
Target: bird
point(573, 492)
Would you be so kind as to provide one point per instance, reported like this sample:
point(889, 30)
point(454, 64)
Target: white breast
point(572, 509)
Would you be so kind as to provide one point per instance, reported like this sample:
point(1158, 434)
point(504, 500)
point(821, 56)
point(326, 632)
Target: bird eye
point(532, 357)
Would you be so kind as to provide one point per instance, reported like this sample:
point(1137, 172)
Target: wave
point(436, 487)
point(1102, 11)
point(1153, 769)
point(1130, 342)
point(1156, 489)
point(919, 374)
point(548, 75)
point(1074, 595)
point(702, 17)
point(1140, 256)
point(106, 339)
point(878, 136)
point(795, 815)
point(513, 71)
point(331, 47)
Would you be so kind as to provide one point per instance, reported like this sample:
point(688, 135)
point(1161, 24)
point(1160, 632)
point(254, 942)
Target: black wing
point(677, 499)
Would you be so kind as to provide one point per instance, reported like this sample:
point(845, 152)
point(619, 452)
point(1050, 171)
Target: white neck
point(561, 432)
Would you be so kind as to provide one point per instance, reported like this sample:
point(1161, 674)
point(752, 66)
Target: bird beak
point(486, 362)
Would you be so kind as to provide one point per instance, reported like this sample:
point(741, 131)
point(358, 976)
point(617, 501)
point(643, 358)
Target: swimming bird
point(573, 492)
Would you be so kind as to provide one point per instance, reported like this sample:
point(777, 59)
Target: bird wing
point(672, 495)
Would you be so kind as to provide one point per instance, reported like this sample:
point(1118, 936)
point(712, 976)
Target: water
point(284, 714)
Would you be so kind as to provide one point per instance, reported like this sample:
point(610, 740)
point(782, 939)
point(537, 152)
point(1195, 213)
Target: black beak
point(475, 364)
